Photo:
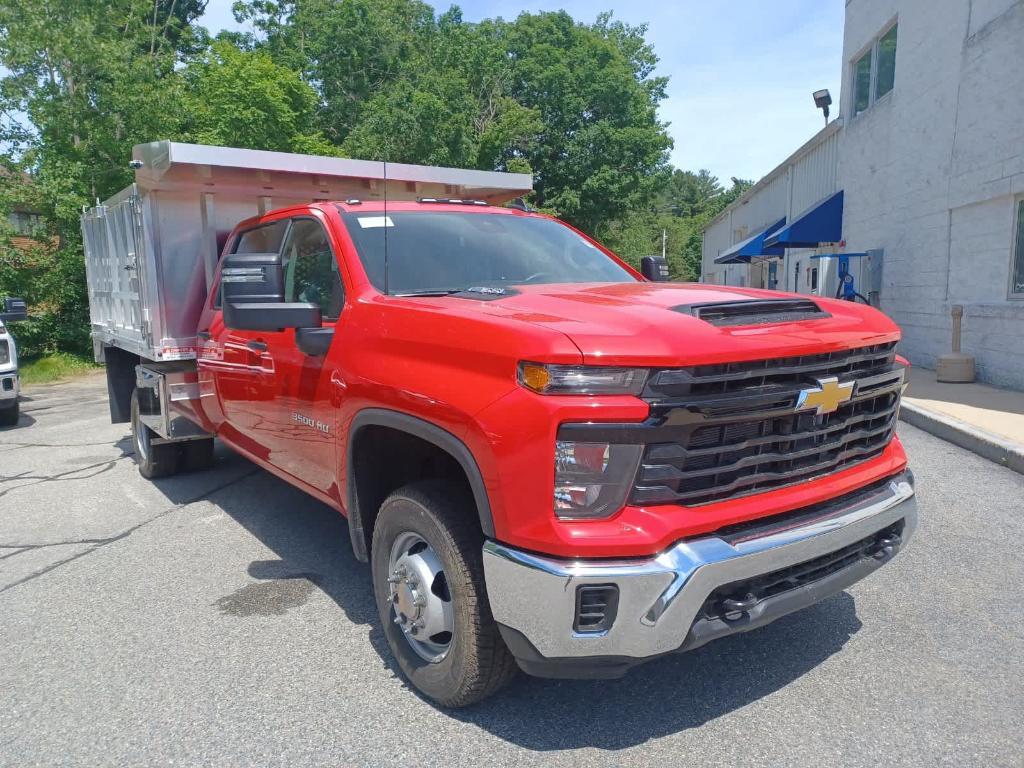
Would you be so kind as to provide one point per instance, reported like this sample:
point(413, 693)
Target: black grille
point(596, 607)
point(5, 351)
point(734, 430)
point(755, 312)
point(754, 590)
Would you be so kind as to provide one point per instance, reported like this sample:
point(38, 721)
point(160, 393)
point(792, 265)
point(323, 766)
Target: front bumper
point(668, 603)
point(9, 387)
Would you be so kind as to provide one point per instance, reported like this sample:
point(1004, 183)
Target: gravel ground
point(220, 619)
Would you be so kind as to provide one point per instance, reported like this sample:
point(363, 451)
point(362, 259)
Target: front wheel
point(429, 586)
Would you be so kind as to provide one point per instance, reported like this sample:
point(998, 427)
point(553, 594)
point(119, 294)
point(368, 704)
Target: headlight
point(581, 379)
point(592, 480)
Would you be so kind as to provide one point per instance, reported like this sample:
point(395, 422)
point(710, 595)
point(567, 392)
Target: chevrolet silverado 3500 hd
point(548, 461)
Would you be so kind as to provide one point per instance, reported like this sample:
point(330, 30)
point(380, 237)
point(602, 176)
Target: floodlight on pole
point(822, 100)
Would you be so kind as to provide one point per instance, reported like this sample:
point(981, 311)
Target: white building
point(928, 153)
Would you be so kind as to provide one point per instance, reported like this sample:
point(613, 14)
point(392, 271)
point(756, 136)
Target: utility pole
point(664, 239)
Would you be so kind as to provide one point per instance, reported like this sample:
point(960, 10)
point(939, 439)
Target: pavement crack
point(103, 466)
point(99, 540)
point(98, 544)
point(6, 444)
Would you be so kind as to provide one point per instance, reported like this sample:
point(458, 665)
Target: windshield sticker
point(371, 222)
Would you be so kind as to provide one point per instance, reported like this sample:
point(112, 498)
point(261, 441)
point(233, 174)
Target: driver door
point(304, 438)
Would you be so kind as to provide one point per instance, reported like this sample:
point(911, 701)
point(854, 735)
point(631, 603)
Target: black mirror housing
point(270, 315)
point(252, 278)
point(14, 310)
point(654, 268)
point(314, 341)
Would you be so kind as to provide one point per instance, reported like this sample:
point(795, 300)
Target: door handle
point(337, 389)
point(257, 346)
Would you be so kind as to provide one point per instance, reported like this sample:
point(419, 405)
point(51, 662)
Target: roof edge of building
point(825, 133)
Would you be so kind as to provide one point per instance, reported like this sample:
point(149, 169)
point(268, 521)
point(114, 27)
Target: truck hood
point(642, 323)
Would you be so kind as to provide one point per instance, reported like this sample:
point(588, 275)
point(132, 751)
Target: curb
point(995, 448)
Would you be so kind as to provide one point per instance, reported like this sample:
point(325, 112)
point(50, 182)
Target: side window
point(310, 269)
point(265, 239)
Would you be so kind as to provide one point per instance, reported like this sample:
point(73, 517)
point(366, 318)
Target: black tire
point(153, 460)
point(197, 455)
point(477, 662)
point(9, 416)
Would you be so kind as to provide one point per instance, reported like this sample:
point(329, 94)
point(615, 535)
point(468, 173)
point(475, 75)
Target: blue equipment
point(846, 289)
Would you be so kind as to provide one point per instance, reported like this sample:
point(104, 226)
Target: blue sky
point(740, 73)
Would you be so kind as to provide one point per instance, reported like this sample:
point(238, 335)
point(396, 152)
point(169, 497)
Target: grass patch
point(50, 368)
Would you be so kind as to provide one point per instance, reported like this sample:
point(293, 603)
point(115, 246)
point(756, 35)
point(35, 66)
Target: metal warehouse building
point(922, 172)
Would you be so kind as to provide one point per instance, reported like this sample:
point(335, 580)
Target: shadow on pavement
point(24, 421)
point(670, 694)
point(665, 696)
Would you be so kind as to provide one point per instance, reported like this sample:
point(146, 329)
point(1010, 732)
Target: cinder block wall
point(933, 172)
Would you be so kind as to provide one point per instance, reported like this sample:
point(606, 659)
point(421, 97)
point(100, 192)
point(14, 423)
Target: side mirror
point(14, 310)
point(654, 268)
point(252, 278)
point(270, 315)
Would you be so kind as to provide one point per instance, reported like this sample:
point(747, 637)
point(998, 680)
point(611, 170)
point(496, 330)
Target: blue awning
point(743, 252)
point(821, 224)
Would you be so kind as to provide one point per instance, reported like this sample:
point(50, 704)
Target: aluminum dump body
point(151, 250)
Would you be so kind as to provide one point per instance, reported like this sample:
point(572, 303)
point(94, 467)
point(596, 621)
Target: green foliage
point(55, 367)
point(86, 81)
point(574, 104)
point(684, 207)
point(244, 99)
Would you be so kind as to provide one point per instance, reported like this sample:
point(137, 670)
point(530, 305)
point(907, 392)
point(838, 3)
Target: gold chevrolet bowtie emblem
point(826, 397)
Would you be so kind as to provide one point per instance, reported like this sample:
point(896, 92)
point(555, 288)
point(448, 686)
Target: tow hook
point(886, 547)
point(734, 608)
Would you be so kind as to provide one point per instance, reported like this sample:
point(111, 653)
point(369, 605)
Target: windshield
point(440, 252)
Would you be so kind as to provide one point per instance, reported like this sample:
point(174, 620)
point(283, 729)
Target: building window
point(874, 72)
point(814, 279)
point(862, 83)
point(1017, 284)
point(886, 63)
point(25, 223)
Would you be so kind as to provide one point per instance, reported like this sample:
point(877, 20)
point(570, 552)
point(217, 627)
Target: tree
point(602, 150)
point(85, 81)
point(684, 206)
point(349, 50)
point(243, 99)
point(574, 103)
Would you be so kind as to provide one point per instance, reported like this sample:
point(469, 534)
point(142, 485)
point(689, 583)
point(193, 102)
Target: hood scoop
point(754, 311)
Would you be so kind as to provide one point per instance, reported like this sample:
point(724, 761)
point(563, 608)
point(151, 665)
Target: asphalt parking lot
point(220, 619)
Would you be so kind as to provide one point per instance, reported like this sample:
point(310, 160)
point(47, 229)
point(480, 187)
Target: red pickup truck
point(549, 461)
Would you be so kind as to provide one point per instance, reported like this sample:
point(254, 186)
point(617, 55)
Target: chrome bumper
point(9, 385)
point(533, 597)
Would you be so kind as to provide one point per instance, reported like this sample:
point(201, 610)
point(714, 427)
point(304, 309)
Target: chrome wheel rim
point(421, 603)
point(141, 438)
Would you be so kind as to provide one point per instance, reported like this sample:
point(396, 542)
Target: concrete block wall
point(932, 173)
point(933, 170)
